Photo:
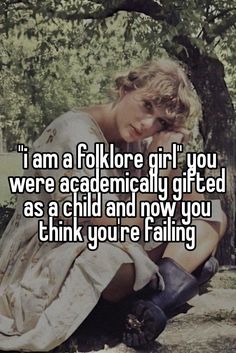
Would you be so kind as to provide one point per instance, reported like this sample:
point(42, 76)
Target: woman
point(48, 289)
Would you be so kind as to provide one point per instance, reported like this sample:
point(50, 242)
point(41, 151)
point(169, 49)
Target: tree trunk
point(218, 130)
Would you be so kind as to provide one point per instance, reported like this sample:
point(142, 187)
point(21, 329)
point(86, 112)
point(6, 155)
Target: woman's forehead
point(152, 96)
point(144, 95)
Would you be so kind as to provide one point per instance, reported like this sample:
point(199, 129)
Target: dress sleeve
point(62, 136)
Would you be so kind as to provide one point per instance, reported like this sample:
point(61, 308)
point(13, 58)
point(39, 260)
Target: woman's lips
point(135, 131)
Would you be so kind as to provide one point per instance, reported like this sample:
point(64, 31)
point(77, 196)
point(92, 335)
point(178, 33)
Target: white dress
point(48, 289)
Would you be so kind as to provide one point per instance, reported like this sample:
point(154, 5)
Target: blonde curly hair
point(164, 83)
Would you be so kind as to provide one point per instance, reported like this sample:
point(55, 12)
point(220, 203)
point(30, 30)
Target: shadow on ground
point(209, 326)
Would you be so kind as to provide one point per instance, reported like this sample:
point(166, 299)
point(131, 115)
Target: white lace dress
point(48, 289)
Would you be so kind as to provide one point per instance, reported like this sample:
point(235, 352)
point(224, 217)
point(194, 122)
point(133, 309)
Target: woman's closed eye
point(148, 105)
point(164, 124)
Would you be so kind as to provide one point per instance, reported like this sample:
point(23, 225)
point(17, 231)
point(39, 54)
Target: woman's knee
point(223, 225)
point(215, 230)
point(207, 236)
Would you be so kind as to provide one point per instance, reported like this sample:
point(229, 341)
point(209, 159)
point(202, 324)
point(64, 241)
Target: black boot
point(206, 271)
point(203, 274)
point(147, 318)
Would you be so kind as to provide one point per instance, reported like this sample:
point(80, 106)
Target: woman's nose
point(146, 123)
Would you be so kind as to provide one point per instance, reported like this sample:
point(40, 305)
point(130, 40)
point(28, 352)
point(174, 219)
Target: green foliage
point(39, 81)
point(58, 54)
point(32, 94)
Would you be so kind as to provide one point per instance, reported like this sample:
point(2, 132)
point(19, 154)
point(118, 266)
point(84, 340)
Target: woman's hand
point(166, 138)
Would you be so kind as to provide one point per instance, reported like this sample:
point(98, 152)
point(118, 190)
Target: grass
point(225, 279)
point(222, 315)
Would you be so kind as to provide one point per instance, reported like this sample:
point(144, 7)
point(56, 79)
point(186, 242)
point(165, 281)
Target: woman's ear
point(122, 92)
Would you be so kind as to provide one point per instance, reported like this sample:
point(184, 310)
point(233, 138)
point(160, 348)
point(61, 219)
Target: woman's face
point(138, 118)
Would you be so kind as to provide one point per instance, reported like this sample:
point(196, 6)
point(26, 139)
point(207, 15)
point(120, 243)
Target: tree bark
point(218, 130)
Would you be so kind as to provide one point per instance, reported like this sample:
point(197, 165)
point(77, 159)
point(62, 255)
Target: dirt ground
point(209, 326)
